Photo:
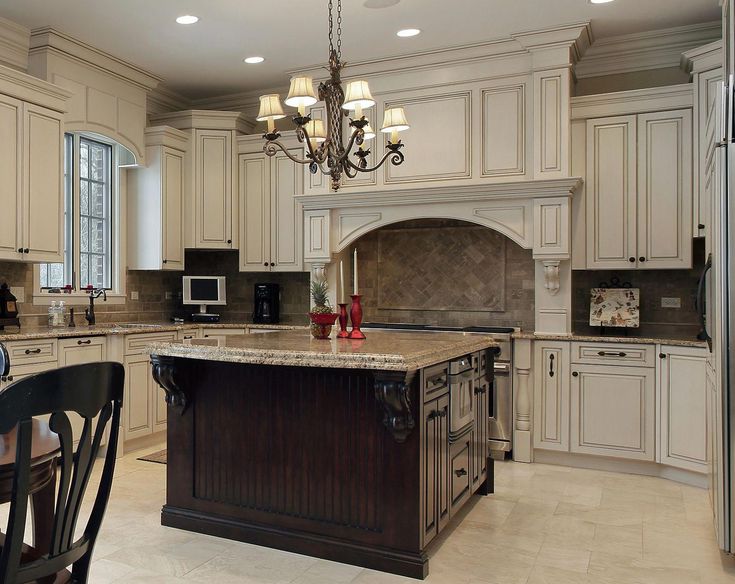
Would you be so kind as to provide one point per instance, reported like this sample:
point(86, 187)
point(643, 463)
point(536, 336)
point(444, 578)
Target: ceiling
point(205, 59)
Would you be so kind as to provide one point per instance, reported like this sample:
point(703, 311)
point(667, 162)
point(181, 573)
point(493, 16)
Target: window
point(88, 218)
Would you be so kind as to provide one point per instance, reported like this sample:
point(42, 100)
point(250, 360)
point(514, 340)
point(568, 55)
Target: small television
point(204, 291)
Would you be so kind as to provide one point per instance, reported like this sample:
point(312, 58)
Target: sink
point(132, 325)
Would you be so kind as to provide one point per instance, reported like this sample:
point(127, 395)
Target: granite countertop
point(384, 350)
point(109, 328)
point(648, 336)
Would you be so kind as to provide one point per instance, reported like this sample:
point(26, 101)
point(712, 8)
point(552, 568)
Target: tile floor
point(545, 525)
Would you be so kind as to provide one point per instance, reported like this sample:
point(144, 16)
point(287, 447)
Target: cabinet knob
point(631, 260)
point(575, 374)
point(272, 264)
point(662, 355)
point(26, 250)
point(20, 250)
point(229, 241)
point(700, 226)
point(641, 259)
point(165, 261)
point(265, 264)
point(10, 378)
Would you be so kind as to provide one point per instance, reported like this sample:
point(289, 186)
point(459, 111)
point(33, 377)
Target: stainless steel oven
point(500, 415)
point(461, 396)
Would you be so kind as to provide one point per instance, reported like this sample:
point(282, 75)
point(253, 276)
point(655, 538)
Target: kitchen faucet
point(89, 312)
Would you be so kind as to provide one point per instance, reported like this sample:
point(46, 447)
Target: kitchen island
point(354, 451)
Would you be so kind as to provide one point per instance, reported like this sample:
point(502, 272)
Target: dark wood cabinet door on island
point(345, 464)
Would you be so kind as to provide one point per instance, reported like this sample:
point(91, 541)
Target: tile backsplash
point(153, 286)
point(445, 272)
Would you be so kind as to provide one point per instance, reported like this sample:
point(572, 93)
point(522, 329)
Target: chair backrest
point(92, 390)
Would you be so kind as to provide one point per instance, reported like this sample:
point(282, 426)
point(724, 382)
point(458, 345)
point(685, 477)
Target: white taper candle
point(341, 282)
point(354, 272)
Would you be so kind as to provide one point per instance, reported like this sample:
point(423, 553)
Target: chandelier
point(325, 149)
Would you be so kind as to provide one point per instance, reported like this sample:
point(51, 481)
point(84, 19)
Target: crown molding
point(26, 87)
point(163, 100)
point(15, 41)
point(703, 58)
point(50, 40)
point(535, 189)
point(203, 120)
point(644, 51)
point(632, 102)
point(166, 136)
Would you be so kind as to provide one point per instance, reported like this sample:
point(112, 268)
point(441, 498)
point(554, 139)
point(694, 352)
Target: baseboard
point(639, 467)
point(155, 439)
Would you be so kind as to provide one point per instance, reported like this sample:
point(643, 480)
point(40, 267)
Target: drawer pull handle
point(551, 365)
point(87, 342)
point(33, 351)
point(436, 382)
point(480, 390)
point(461, 472)
point(611, 354)
point(188, 337)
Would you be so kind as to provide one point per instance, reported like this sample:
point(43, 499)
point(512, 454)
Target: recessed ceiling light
point(600, 1)
point(408, 32)
point(187, 19)
point(253, 60)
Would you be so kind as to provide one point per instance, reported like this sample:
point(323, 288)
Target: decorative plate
point(615, 307)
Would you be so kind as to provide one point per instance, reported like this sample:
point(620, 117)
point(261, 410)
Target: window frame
point(116, 227)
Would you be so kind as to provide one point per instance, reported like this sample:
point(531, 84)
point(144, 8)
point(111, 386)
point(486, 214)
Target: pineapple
point(322, 316)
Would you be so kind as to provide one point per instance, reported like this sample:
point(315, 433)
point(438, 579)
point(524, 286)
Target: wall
point(653, 285)
point(633, 80)
point(417, 271)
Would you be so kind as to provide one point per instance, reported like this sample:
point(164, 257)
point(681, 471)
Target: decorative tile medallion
point(615, 307)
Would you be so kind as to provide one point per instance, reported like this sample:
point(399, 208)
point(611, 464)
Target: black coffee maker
point(266, 309)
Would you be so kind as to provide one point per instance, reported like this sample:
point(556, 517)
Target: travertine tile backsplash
point(445, 272)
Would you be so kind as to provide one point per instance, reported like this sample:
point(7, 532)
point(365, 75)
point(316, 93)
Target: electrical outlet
point(134, 295)
point(19, 292)
point(670, 302)
point(169, 295)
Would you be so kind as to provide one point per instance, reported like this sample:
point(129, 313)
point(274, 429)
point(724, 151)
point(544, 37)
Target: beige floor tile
point(565, 558)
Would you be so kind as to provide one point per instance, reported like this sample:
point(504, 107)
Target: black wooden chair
point(93, 391)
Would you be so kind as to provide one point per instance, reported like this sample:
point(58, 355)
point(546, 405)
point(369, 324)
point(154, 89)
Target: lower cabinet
point(460, 461)
point(682, 413)
point(613, 411)
point(434, 467)
point(551, 396)
point(139, 386)
point(222, 334)
point(480, 451)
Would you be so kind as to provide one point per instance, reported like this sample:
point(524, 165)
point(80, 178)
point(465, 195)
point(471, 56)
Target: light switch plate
point(670, 302)
point(134, 295)
point(169, 295)
point(19, 292)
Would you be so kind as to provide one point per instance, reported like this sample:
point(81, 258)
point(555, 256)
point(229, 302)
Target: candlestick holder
point(356, 318)
point(342, 334)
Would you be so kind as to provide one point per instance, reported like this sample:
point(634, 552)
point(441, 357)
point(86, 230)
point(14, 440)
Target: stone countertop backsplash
point(647, 335)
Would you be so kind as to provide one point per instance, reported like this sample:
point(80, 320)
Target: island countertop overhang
point(382, 350)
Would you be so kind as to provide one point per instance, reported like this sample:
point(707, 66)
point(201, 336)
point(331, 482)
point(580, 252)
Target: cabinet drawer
point(434, 381)
point(137, 343)
point(26, 352)
point(461, 459)
point(222, 332)
point(610, 353)
point(479, 364)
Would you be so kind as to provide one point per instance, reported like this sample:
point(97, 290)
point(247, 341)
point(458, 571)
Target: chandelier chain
point(339, 29)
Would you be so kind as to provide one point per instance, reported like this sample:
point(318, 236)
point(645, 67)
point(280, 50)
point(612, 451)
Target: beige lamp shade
point(301, 93)
point(394, 120)
point(357, 95)
point(270, 108)
point(369, 133)
point(315, 130)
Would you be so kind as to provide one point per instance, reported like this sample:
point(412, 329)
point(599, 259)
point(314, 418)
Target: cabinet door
point(551, 396)
point(442, 468)
point(43, 191)
point(138, 414)
point(611, 193)
point(612, 411)
point(213, 189)
point(79, 352)
point(160, 408)
point(11, 116)
point(287, 180)
point(172, 188)
point(429, 473)
point(706, 91)
point(683, 418)
point(665, 190)
point(255, 213)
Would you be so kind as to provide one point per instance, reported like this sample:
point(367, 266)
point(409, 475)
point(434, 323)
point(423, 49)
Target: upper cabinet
point(270, 216)
point(156, 203)
point(636, 208)
point(31, 168)
point(211, 204)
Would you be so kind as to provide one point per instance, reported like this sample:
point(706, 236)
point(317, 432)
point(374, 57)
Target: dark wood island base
point(351, 465)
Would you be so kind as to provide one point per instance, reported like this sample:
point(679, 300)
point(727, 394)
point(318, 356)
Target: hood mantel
point(534, 214)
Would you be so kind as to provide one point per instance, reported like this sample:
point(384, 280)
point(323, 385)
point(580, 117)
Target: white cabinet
point(613, 411)
point(156, 203)
point(681, 391)
point(31, 182)
point(639, 191)
point(222, 334)
point(213, 187)
point(271, 218)
point(551, 395)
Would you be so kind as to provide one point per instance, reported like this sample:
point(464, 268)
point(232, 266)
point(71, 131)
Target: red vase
point(342, 334)
point(356, 318)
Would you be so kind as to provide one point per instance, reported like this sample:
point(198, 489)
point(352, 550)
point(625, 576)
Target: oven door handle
point(501, 368)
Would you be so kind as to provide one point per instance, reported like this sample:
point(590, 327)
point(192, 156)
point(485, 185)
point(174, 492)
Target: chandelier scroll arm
point(272, 147)
point(396, 159)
